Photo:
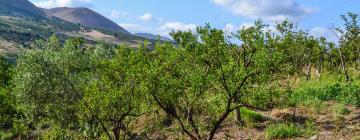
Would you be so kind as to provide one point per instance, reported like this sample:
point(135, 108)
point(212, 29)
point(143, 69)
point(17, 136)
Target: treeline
point(68, 91)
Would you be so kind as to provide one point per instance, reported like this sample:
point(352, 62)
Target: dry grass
point(7, 47)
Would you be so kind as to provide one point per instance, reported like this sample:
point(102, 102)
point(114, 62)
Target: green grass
point(251, 116)
point(340, 109)
point(283, 130)
point(328, 87)
point(310, 128)
point(6, 135)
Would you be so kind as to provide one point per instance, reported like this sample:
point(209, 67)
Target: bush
point(282, 130)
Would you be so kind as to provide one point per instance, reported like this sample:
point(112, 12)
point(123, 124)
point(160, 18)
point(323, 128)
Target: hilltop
point(85, 17)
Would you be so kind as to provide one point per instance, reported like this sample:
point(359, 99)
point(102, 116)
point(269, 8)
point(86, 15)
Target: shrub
point(310, 128)
point(282, 130)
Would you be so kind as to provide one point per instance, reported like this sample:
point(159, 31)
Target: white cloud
point(323, 32)
point(150, 17)
point(178, 26)
point(273, 10)
point(147, 17)
point(163, 29)
point(230, 28)
point(317, 32)
point(63, 3)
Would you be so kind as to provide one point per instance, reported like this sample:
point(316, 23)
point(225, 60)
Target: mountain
point(85, 17)
point(22, 23)
point(152, 36)
point(21, 8)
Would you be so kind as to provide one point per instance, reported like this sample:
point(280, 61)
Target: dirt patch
point(7, 47)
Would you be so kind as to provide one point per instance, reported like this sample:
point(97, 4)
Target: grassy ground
point(326, 109)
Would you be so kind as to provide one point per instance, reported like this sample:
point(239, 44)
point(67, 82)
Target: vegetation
point(190, 89)
point(283, 131)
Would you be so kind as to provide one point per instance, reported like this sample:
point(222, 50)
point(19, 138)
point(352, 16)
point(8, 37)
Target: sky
point(317, 17)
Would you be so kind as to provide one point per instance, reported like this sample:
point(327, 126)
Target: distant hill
point(22, 23)
point(152, 36)
point(85, 17)
point(21, 8)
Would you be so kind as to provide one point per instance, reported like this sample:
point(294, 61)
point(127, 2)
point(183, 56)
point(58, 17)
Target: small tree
point(182, 77)
point(115, 94)
point(48, 82)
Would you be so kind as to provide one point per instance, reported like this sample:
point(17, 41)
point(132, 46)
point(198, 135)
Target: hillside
point(20, 8)
point(22, 23)
point(85, 17)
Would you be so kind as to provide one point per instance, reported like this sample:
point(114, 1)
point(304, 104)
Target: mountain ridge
point(86, 17)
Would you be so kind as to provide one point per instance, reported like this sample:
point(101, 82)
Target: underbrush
point(290, 130)
point(346, 94)
point(282, 130)
point(251, 116)
point(330, 87)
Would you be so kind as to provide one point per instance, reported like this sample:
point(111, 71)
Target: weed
point(340, 110)
point(283, 130)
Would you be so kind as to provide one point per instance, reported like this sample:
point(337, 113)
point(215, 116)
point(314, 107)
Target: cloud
point(273, 10)
point(324, 32)
point(63, 3)
point(163, 30)
point(150, 17)
point(231, 28)
point(178, 26)
point(147, 17)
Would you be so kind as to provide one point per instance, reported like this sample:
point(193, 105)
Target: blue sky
point(162, 16)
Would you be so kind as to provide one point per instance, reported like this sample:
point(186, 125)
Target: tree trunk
point(320, 66)
point(237, 113)
point(343, 65)
point(218, 123)
point(358, 59)
point(190, 119)
point(167, 121)
point(308, 72)
point(237, 116)
point(189, 113)
point(116, 132)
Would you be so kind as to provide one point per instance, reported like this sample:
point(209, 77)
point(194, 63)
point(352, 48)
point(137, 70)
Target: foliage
point(341, 109)
point(347, 94)
point(69, 90)
point(251, 116)
point(283, 130)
